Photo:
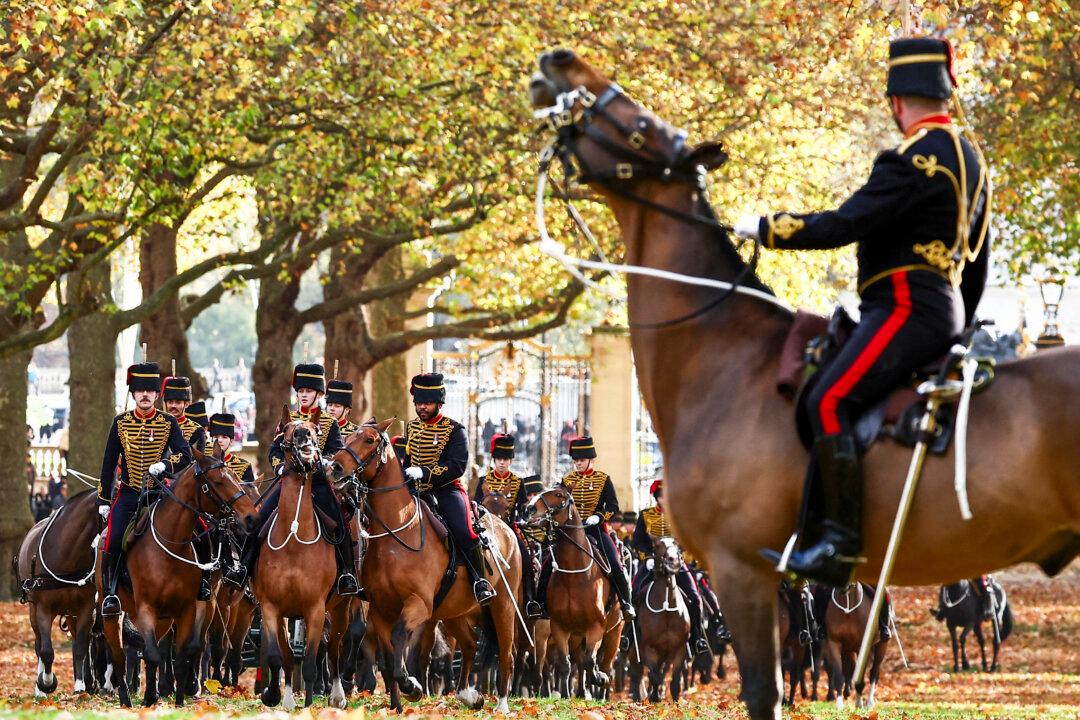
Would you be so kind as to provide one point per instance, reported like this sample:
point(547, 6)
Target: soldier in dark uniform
point(175, 396)
point(436, 456)
point(142, 442)
point(920, 225)
point(595, 498)
point(500, 479)
point(222, 432)
point(309, 383)
point(339, 405)
point(196, 412)
point(652, 525)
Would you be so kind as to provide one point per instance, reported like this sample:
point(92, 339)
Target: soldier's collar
point(343, 421)
point(502, 476)
point(305, 413)
point(588, 472)
point(228, 457)
point(181, 418)
point(928, 121)
point(153, 411)
point(433, 421)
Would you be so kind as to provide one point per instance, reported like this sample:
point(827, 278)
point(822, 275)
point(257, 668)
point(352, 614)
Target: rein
point(671, 168)
point(41, 556)
point(560, 529)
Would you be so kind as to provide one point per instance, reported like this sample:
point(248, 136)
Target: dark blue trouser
point(453, 506)
point(123, 508)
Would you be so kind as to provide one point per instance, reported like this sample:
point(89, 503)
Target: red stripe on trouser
point(468, 513)
point(108, 525)
point(870, 354)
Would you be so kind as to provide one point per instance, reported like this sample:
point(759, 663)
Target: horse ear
point(386, 423)
point(286, 417)
point(709, 154)
point(315, 415)
point(218, 452)
point(197, 453)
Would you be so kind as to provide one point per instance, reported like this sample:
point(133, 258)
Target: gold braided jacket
point(586, 491)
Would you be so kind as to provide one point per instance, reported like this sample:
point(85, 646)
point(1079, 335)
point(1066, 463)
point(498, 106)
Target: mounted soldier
point(596, 501)
point(920, 223)
point(499, 479)
point(222, 433)
point(142, 442)
point(309, 383)
point(436, 456)
point(652, 525)
point(339, 405)
point(196, 412)
point(175, 396)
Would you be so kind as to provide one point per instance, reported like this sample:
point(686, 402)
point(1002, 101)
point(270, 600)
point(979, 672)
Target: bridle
point(573, 117)
point(225, 508)
point(663, 559)
point(550, 527)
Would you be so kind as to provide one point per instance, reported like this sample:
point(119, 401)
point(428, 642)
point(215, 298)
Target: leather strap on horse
point(448, 578)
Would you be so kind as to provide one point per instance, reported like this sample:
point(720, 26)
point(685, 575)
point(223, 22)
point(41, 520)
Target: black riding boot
point(884, 631)
point(237, 574)
point(832, 559)
point(622, 589)
point(204, 552)
point(474, 564)
point(697, 635)
point(528, 591)
point(541, 589)
point(110, 576)
point(346, 562)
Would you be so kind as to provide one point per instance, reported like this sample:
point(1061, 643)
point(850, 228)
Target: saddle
point(813, 343)
point(136, 528)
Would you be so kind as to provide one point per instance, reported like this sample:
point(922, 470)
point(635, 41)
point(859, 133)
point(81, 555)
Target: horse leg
point(656, 677)
point(466, 693)
point(963, 648)
point(748, 597)
point(114, 671)
point(167, 649)
point(339, 626)
point(188, 648)
point(559, 652)
point(875, 673)
point(982, 644)
point(313, 623)
point(997, 646)
point(385, 656)
point(847, 671)
point(677, 673)
point(503, 617)
point(42, 621)
point(80, 646)
point(414, 613)
point(146, 624)
point(270, 656)
point(593, 637)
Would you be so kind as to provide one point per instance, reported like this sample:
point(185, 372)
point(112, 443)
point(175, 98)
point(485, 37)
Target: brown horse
point(845, 620)
point(708, 359)
point(664, 622)
point(579, 598)
point(164, 572)
point(402, 572)
point(55, 570)
point(296, 572)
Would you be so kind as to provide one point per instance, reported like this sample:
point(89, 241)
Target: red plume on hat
point(949, 61)
point(165, 381)
point(494, 439)
point(657, 485)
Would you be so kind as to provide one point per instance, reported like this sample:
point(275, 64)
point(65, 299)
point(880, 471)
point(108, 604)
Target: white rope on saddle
point(553, 248)
point(41, 556)
point(668, 605)
point(556, 568)
point(970, 366)
point(413, 519)
point(294, 527)
point(946, 600)
point(214, 565)
point(848, 609)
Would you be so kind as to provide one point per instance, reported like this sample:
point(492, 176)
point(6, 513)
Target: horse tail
point(490, 649)
point(1006, 622)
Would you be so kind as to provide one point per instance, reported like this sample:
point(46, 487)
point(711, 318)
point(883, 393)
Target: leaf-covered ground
point(1040, 675)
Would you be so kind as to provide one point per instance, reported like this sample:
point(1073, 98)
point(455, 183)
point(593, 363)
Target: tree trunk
point(271, 373)
point(163, 332)
point(346, 334)
point(92, 382)
point(390, 381)
point(15, 518)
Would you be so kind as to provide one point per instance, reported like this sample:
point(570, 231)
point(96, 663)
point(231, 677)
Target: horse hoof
point(503, 708)
point(288, 701)
point(149, 700)
point(47, 683)
point(337, 696)
point(471, 699)
point(410, 688)
point(269, 698)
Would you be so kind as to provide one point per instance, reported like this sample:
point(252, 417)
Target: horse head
point(495, 503)
point(300, 439)
point(221, 490)
point(366, 452)
point(667, 557)
point(604, 136)
point(551, 509)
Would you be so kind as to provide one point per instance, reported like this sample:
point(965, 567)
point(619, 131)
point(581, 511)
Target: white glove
point(103, 511)
point(156, 469)
point(592, 520)
point(414, 473)
point(650, 564)
point(747, 226)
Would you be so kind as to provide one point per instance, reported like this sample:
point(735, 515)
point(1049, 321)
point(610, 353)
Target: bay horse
point(580, 600)
point(664, 622)
point(707, 358)
point(845, 620)
point(164, 572)
point(55, 571)
point(295, 575)
point(961, 608)
point(404, 565)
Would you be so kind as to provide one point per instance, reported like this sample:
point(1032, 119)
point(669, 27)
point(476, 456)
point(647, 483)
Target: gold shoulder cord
point(965, 216)
point(970, 254)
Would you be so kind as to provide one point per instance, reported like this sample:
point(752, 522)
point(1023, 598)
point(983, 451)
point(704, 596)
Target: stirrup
point(628, 609)
point(205, 590)
point(347, 585)
point(533, 609)
point(236, 576)
point(107, 607)
point(483, 591)
point(701, 646)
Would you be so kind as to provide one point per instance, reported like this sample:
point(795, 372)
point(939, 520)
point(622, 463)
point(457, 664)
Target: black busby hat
point(197, 412)
point(922, 67)
point(532, 484)
point(582, 448)
point(428, 387)
point(176, 388)
point(144, 376)
point(629, 517)
point(340, 392)
point(502, 446)
point(309, 375)
point(222, 424)
point(398, 443)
